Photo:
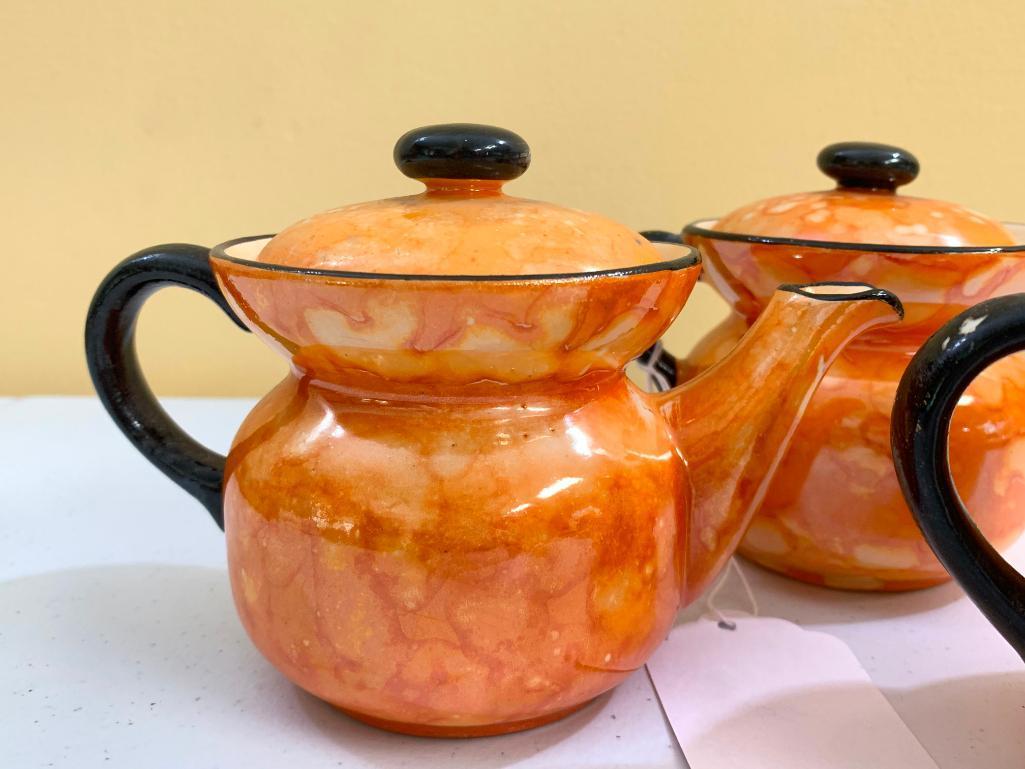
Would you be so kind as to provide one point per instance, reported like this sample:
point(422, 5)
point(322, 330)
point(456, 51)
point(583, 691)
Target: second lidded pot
point(834, 513)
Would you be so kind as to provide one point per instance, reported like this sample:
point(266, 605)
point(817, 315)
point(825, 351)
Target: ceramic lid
point(865, 207)
point(463, 223)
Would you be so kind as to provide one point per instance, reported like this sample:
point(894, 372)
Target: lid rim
point(691, 259)
point(694, 228)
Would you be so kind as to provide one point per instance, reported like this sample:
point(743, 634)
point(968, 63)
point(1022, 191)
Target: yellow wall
point(126, 124)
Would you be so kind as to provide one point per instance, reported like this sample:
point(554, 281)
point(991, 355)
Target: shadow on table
point(122, 638)
point(379, 748)
point(126, 637)
point(967, 722)
point(977, 719)
point(807, 604)
point(172, 627)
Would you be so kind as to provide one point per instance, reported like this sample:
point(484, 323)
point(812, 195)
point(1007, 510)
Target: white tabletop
point(120, 644)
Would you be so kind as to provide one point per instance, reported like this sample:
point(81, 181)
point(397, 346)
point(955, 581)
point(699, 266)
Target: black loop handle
point(657, 362)
point(114, 365)
point(938, 375)
point(663, 236)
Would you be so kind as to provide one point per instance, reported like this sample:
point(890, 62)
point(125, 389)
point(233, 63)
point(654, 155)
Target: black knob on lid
point(868, 165)
point(462, 151)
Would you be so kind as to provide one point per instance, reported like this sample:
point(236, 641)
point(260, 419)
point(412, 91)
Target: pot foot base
point(856, 582)
point(475, 730)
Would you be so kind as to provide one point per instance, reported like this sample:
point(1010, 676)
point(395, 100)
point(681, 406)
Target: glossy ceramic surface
point(929, 392)
point(459, 516)
point(463, 223)
point(864, 207)
point(456, 516)
point(834, 513)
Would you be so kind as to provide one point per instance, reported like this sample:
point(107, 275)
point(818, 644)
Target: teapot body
point(456, 515)
point(452, 569)
point(834, 513)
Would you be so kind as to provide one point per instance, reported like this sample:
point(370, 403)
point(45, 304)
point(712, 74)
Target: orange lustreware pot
point(834, 513)
point(456, 515)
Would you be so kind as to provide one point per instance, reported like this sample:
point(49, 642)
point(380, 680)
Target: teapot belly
point(456, 570)
point(834, 514)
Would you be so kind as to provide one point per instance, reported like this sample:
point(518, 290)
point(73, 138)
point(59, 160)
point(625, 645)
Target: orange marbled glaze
point(866, 216)
point(461, 568)
point(456, 515)
point(459, 227)
point(736, 420)
point(451, 527)
point(834, 513)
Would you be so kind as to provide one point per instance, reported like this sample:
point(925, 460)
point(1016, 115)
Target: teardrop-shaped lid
point(463, 223)
point(865, 206)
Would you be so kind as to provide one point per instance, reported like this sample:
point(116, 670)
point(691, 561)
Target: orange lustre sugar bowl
point(456, 515)
point(834, 513)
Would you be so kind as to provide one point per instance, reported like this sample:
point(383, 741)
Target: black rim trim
point(870, 292)
point(691, 259)
point(694, 229)
point(663, 236)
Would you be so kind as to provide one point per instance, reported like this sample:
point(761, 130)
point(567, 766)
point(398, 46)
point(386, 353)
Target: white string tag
point(722, 620)
point(748, 692)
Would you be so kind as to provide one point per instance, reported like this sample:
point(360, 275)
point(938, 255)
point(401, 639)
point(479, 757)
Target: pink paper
point(770, 694)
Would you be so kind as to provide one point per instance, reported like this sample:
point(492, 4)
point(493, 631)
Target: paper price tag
point(769, 694)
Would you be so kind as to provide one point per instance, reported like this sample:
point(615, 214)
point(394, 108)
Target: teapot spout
point(734, 422)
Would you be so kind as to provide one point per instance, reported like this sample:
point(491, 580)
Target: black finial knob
point(462, 151)
point(868, 165)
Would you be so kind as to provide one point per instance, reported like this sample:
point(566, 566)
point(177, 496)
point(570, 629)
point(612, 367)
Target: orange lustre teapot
point(456, 515)
point(834, 513)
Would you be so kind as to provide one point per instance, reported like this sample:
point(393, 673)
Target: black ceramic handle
point(114, 365)
point(656, 361)
point(928, 392)
point(663, 236)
